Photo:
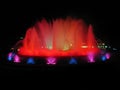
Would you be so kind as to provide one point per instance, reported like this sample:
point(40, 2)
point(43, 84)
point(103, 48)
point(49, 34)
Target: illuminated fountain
point(68, 38)
point(61, 37)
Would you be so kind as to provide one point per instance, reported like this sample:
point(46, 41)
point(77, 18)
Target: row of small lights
point(52, 60)
point(100, 45)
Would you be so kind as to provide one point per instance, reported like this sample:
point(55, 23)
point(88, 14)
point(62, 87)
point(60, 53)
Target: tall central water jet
point(61, 37)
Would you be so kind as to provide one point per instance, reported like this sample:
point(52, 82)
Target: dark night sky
point(17, 18)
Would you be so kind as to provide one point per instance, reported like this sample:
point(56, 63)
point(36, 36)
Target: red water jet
point(61, 37)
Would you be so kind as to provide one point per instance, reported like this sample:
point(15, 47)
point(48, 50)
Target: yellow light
point(18, 49)
point(103, 43)
point(66, 47)
point(50, 47)
point(84, 46)
point(71, 44)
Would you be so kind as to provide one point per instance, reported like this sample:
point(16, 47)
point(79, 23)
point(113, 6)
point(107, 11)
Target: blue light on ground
point(30, 61)
point(103, 58)
point(10, 56)
point(73, 61)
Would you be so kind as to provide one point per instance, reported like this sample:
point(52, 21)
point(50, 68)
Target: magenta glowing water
point(91, 57)
point(107, 55)
point(51, 60)
point(16, 59)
